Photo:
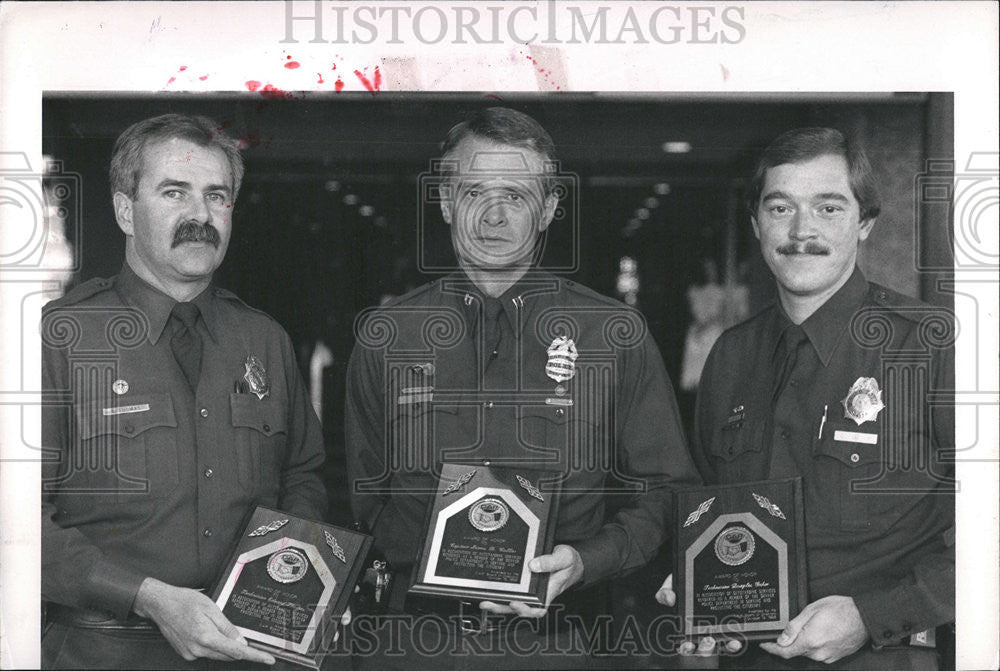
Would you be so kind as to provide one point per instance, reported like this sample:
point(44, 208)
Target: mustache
point(813, 248)
point(192, 231)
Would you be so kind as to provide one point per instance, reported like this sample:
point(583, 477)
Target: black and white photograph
point(416, 340)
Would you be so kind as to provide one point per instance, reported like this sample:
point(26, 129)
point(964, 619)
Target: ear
point(756, 226)
point(123, 213)
point(866, 228)
point(549, 211)
point(446, 210)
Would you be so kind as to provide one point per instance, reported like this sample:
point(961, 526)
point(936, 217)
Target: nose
point(802, 226)
point(494, 215)
point(200, 211)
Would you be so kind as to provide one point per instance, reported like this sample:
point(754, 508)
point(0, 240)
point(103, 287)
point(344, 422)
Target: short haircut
point(130, 147)
point(804, 144)
point(503, 126)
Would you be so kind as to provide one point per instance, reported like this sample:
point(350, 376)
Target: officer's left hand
point(826, 630)
point(565, 568)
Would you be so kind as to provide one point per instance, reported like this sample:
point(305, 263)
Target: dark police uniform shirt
point(424, 387)
point(879, 497)
point(156, 481)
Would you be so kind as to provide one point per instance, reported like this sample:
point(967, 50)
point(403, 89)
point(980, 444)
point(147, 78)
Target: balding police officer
point(176, 408)
point(834, 383)
point(502, 363)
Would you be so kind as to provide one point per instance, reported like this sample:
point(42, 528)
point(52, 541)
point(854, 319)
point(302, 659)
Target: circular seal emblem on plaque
point(734, 546)
point(489, 514)
point(288, 565)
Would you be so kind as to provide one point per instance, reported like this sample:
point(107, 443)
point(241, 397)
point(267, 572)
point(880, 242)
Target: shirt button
point(887, 633)
point(855, 458)
point(204, 412)
point(208, 533)
point(267, 428)
point(209, 472)
point(560, 411)
point(785, 433)
point(907, 627)
point(129, 429)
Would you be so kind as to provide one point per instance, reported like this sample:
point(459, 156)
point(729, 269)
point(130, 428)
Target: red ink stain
point(203, 77)
point(320, 75)
point(334, 67)
point(495, 97)
point(372, 88)
point(252, 85)
point(183, 68)
point(274, 93)
point(171, 80)
point(338, 85)
point(542, 71)
point(291, 65)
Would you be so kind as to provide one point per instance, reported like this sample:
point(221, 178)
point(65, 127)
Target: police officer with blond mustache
point(175, 409)
point(833, 384)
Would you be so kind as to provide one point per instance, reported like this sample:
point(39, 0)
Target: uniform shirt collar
point(826, 327)
point(473, 299)
point(156, 305)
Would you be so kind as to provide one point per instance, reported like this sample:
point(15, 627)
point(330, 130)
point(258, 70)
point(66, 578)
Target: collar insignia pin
point(562, 357)
point(256, 377)
point(863, 402)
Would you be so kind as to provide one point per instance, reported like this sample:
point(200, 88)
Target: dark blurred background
point(329, 220)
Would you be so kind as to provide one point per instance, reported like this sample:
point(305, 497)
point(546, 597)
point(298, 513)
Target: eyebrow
point(181, 184)
point(828, 195)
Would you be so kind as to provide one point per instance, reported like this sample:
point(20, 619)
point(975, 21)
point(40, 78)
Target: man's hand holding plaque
point(488, 540)
point(565, 569)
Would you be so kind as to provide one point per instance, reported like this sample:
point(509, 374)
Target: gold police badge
point(489, 514)
point(256, 377)
point(863, 402)
point(561, 365)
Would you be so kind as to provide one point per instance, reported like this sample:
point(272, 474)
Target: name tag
point(406, 399)
point(559, 401)
point(125, 409)
point(854, 437)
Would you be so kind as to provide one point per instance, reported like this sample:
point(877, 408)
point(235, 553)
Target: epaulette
point(885, 297)
point(590, 294)
point(81, 292)
point(227, 295)
point(413, 293)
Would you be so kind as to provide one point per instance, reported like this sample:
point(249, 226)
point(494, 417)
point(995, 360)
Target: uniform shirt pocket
point(736, 449)
point(261, 428)
point(563, 430)
point(845, 458)
point(129, 447)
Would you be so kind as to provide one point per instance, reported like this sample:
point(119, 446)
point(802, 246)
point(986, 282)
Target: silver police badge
point(288, 565)
point(863, 402)
point(489, 514)
point(734, 546)
point(256, 377)
point(561, 365)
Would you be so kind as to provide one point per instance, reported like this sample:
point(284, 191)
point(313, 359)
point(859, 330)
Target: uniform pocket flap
point(125, 417)
point(735, 439)
point(851, 453)
point(261, 414)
